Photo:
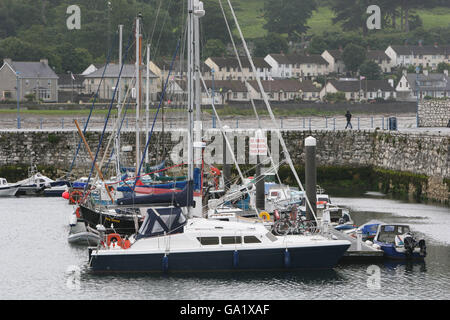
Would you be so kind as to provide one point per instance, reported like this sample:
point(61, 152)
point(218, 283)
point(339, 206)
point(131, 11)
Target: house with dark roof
point(224, 91)
point(334, 59)
point(110, 74)
point(300, 66)
point(360, 90)
point(420, 55)
point(381, 58)
point(228, 68)
point(162, 67)
point(28, 78)
point(436, 85)
point(277, 89)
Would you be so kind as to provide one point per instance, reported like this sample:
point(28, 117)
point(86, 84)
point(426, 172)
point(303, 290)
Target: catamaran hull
point(319, 257)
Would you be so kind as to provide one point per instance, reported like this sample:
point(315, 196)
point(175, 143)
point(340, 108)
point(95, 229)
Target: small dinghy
point(79, 234)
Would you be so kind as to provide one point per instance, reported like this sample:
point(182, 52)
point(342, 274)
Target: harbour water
point(38, 263)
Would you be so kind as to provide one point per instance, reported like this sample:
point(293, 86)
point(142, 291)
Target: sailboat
point(175, 237)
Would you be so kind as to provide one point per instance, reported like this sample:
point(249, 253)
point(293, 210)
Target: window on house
point(244, 95)
point(7, 94)
point(235, 95)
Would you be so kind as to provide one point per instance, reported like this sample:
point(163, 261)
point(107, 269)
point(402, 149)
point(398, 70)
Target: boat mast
point(195, 9)
point(147, 99)
point(119, 101)
point(138, 90)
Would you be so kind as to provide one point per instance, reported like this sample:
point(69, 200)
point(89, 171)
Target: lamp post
point(71, 78)
point(18, 99)
point(418, 92)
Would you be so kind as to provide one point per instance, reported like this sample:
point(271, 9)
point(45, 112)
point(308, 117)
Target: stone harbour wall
point(434, 113)
point(427, 155)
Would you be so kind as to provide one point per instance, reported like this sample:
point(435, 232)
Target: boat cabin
point(387, 233)
point(3, 182)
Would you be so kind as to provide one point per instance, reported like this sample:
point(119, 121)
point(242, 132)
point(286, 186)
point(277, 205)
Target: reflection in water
point(54, 269)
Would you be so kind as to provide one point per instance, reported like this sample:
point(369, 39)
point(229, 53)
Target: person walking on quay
point(348, 115)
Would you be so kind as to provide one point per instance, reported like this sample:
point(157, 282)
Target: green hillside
point(251, 18)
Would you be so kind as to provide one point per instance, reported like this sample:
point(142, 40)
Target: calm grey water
point(37, 262)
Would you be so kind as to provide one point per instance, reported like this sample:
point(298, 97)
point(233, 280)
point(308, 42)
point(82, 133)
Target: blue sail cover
point(170, 185)
point(184, 198)
point(161, 220)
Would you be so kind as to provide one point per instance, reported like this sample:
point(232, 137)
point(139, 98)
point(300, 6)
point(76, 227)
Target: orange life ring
point(77, 212)
point(75, 196)
point(124, 244)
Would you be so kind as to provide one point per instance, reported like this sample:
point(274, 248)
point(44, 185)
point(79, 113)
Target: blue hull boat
point(397, 242)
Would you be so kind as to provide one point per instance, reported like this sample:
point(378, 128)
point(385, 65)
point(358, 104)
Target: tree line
point(34, 29)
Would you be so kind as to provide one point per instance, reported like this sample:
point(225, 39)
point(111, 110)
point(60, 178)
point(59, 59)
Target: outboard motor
point(410, 244)
point(423, 247)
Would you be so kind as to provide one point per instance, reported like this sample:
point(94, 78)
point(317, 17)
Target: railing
point(286, 123)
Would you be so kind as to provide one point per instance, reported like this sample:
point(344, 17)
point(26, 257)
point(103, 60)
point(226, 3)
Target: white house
point(334, 59)
point(228, 68)
point(300, 66)
point(356, 90)
point(426, 56)
point(434, 85)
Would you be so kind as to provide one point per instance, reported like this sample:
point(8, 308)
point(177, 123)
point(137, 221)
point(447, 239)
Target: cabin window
point(231, 240)
point(205, 241)
point(251, 239)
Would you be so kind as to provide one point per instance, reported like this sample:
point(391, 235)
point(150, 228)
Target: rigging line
point(156, 115)
point(92, 108)
point(116, 123)
point(227, 142)
point(247, 85)
point(269, 109)
point(109, 113)
point(156, 19)
point(162, 28)
point(118, 131)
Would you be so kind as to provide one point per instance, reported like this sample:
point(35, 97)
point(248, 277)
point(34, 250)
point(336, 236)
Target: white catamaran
point(175, 237)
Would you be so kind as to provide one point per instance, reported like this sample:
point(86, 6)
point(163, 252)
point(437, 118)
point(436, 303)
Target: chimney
point(44, 61)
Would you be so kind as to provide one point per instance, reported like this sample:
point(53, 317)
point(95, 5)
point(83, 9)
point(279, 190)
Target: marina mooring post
point(310, 176)
point(259, 177)
point(226, 171)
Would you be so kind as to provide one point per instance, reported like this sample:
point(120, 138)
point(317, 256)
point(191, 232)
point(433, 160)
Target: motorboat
point(167, 242)
point(397, 242)
point(6, 189)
